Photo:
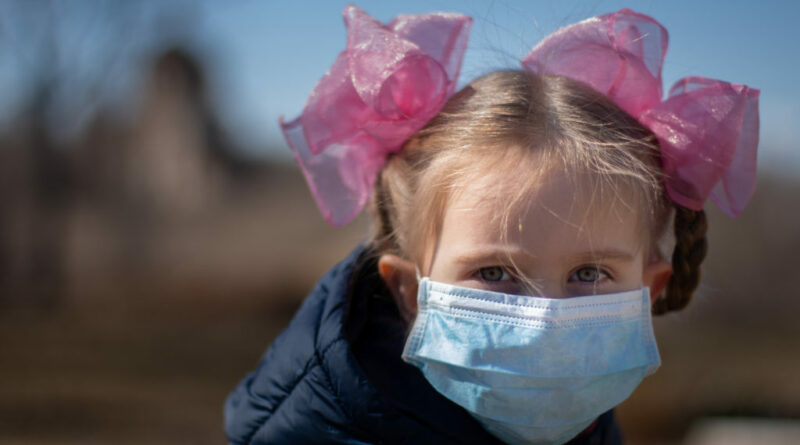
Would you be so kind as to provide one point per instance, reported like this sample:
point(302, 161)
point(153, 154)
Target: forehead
point(545, 211)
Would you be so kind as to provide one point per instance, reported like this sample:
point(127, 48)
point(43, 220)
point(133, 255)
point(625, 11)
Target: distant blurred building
point(102, 199)
point(172, 160)
point(159, 204)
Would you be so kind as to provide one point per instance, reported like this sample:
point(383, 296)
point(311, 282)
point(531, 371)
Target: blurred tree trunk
point(51, 194)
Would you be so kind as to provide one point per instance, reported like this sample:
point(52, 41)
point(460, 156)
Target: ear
point(401, 278)
point(656, 275)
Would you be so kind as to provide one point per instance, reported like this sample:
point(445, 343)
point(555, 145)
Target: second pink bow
point(707, 129)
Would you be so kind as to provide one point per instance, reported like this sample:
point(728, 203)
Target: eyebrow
point(605, 254)
point(489, 251)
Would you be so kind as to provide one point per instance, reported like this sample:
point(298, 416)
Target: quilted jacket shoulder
point(293, 396)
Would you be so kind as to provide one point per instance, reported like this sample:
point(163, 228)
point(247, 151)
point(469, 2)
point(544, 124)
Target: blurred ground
point(148, 373)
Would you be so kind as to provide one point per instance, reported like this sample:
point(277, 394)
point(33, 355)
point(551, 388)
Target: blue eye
point(588, 275)
point(494, 273)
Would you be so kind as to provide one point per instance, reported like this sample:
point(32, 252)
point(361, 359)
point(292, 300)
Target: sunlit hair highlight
point(501, 121)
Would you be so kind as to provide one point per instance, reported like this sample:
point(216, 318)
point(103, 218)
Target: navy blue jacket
point(335, 376)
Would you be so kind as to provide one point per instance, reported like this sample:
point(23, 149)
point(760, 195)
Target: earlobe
point(656, 276)
point(401, 279)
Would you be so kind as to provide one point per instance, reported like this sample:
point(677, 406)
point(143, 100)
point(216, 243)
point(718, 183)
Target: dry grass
point(144, 374)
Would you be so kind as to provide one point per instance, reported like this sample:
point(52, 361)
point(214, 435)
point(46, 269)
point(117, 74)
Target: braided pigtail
point(690, 250)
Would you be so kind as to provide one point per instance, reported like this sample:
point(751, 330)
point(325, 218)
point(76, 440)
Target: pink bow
point(386, 85)
point(707, 129)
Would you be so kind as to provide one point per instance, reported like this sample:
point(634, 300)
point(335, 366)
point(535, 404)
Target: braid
point(690, 250)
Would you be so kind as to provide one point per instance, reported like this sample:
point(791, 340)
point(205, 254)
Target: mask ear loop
point(416, 271)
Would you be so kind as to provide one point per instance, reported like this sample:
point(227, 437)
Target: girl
point(505, 294)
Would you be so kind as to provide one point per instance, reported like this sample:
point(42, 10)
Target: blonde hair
point(504, 117)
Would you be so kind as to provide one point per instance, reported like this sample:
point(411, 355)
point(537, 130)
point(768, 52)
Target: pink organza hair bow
point(707, 129)
point(386, 85)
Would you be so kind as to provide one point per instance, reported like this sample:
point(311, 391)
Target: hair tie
point(707, 129)
point(385, 86)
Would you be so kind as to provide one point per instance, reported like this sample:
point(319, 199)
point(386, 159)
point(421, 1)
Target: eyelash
point(601, 274)
point(505, 274)
point(573, 278)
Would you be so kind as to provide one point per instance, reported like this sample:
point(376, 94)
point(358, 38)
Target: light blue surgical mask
point(532, 370)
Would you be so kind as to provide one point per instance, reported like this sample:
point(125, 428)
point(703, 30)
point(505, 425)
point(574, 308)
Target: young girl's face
point(556, 243)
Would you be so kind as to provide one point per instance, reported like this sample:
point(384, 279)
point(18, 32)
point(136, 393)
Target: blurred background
point(155, 235)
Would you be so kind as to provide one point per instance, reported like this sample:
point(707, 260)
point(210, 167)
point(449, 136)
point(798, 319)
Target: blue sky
point(267, 55)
